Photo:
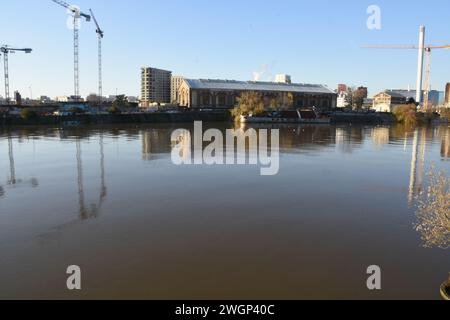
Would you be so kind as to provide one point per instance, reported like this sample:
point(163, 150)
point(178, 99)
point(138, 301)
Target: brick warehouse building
point(223, 94)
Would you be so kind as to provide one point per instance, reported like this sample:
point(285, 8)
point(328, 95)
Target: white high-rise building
point(155, 86)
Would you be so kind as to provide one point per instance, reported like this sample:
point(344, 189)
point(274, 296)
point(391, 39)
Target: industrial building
point(155, 86)
point(223, 94)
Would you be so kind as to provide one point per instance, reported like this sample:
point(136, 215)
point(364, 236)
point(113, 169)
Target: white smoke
point(263, 74)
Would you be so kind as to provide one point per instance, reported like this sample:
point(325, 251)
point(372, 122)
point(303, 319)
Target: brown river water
point(110, 200)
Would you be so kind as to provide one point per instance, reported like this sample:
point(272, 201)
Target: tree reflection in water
point(433, 213)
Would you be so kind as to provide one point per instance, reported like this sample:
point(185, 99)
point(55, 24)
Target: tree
point(358, 97)
point(28, 113)
point(248, 103)
point(290, 100)
point(121, 102)
point(349, 98)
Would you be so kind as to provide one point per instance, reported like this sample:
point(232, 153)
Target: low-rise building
point(223, 94)
point(342, 100)
point(387, 101)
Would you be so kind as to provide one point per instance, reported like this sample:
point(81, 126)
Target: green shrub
point(114, 110)
point(406, 114)
point(445, 113)
point(28, 114)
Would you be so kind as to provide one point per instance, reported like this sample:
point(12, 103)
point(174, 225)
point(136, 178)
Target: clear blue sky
point(314, 41)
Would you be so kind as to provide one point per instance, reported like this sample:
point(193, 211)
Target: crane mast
point(423, 49)
point(6, 50)
point(77, 14)
point(100, 35)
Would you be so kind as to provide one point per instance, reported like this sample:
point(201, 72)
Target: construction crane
point(6, 50)
point(77, 14)
point(423, 49)
point(100, 34)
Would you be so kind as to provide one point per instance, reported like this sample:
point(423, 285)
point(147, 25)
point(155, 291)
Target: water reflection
point(12, 180)
point(349, 138)
point(94, 210)
point(343, 189)
point(445, 148)
point(381, 136)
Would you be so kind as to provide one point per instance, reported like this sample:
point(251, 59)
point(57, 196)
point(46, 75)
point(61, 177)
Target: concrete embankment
point(76, 120)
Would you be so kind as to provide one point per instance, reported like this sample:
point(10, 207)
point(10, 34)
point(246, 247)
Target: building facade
point(387, 101)
point(155, 86)
point(342, 100)
point(223, 94)
point(175, 84)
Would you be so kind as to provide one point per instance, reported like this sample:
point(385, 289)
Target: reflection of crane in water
point(94, 211)
point(12, 179)
point(417, 164)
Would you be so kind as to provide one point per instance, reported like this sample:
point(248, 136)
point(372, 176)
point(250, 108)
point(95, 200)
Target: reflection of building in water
point(445, 147)
point(417, 163)
point(380, 136)
point(155, 142)
point(349, 138)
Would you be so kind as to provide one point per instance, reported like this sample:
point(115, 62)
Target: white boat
point(291, 116)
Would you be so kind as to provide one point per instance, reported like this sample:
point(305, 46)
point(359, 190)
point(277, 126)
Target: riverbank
point(174, 117)
point(89, 119)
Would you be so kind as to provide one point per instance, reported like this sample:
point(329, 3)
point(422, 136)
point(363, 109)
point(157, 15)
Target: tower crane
point(77, 14)
point(423, 49)
point(100, 34)
point(6, 50)
point(427, 50)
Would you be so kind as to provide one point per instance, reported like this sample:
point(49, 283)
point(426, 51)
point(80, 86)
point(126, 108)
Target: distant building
point(18, 98)
point(68, 99)
point(342, 88)
point(367, 103)
point(155, 86)
point(175, 84)
point(342, 100)
point(133, 99)
point(223, 94)
point(387, 101)
point(283, 78)
point(447, 94)
point(434, 96)
point(45, 99)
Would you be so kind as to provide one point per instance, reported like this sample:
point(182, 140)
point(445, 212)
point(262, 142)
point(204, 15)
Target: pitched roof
point(209, 84)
